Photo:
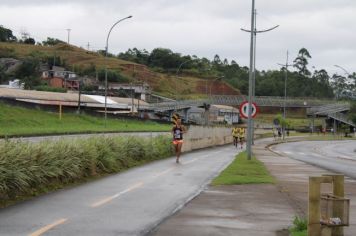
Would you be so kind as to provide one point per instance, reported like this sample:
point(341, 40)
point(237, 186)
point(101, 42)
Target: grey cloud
point(200, 27)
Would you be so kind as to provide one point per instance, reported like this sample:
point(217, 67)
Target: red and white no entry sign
point(244, 110)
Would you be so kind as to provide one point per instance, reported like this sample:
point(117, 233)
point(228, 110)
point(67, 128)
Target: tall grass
point(28, 168)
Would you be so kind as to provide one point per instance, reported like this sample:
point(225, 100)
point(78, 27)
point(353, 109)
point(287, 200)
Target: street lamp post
point(285, 90)
point(176, 81)
point(348, 75)
point(106, 67)
point(342, 68)
point(180, 66)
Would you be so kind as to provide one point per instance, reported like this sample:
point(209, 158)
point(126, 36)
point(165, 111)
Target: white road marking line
point(214, 153)
point(301, 153)
point(188, 162)
point(287, 152)
point(48, 227)
point(346, 157)
point(108, 199)
point(163, 172)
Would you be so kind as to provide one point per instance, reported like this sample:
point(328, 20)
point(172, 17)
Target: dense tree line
point(301, 81)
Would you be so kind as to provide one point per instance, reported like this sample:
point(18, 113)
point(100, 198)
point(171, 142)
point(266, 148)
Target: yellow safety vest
point(235, 132)
point(242, 132)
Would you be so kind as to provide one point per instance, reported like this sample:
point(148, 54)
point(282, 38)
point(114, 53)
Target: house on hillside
point(58, 77)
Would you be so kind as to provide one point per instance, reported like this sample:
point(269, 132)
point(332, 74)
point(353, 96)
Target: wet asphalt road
point(130, 203)
point(337, 156)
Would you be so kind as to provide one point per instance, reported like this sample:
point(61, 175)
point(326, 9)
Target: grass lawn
point(327, 137)
point(299, 233)
point(293, 119)
point(243, 171)
point(21, 121)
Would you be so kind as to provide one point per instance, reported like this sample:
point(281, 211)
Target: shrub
point(300, 225)
point(50, 89)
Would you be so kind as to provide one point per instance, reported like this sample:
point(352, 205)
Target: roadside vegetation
point(293, 121)
point(17, 121)
point(243, 171)
point(31, 169)
point(299, 227)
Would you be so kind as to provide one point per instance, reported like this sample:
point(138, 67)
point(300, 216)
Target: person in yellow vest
point(235, 135)
point(242, 136)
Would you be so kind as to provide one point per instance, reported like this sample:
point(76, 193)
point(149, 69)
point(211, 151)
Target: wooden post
point(60, 111)
point(314, 227)
point(338, 207)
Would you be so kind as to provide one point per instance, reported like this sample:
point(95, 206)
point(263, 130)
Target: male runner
point(242, 136)
point(235, 135)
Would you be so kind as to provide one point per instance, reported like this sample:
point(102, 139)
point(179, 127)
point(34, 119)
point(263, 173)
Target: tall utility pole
point(252, 75)
point(249, 125)
point(177, 72)
point(68, 35)
point(285, 90)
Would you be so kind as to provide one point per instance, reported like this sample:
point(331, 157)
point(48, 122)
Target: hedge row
point(26, 168)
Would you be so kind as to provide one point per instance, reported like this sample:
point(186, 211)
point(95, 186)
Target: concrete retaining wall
point(201, 137)
point(204, 136)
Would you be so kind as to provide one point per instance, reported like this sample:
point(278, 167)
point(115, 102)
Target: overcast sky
point(327, 28)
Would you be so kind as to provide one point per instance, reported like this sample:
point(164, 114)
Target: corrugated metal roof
point(55, 98)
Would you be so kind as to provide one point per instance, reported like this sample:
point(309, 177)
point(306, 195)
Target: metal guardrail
point(328, 109)
point(272, 101)
point(341, 117)
point(234, 100)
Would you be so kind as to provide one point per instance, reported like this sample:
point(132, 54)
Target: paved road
point(337, 156)
point(130, 203)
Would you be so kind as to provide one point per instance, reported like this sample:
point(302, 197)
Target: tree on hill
point(301, 62)
point(51, 42)
point(135, 55)
point(6, 35)
point(30, 41)
point(164, 58)
point(113, 76)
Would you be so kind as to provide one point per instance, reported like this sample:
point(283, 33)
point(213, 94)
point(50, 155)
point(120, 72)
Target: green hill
point(82, 61)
